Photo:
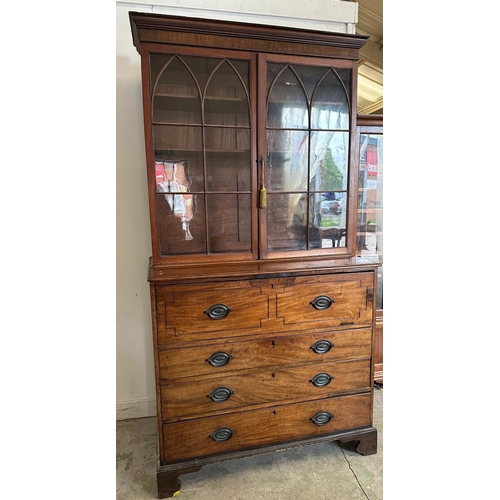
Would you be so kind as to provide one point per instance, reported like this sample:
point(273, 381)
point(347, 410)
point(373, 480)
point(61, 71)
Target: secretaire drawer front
point(264, 386)
point(204, 310)
point(336, 300)
point(223, 433)
point(226, 357)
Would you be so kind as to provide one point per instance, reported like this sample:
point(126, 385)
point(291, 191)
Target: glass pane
point(380, 296)
point(167, 172)
point(329, 161)
point(173, 146)
point(158, 62)
point(227, 139)
point(327, 220)
point(310, 77)
point(330, 108)
point(171, 138)
point(172, 177)
point(228, 159)
point(176, 98)
point(287, 160)
point(287, 105)
point(181, 223)
point(228, 172)
point(287, 221)
point(229, 224)
point(345, 76)
point(226, 101)
point(370, 223)
point(201, 67)
point(272, 71)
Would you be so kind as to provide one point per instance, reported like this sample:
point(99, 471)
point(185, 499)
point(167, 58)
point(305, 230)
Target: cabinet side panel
point(152, 290)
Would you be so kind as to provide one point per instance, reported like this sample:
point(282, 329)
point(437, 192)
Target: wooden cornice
point(144, 24)
point(373, 120)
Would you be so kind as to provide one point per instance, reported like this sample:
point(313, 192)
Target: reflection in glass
point(287, 105)
point(174, 177)
point(327, 219)
point(330, 109)
point(194, 167)
point(229, 224)
point(309, 76)
point(287, 160)
point(287, 221)
point(181, 223)
point(380, 295)
point(329, 160)
point(370, 222)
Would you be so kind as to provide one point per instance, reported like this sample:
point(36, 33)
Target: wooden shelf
point(329, 103)
point(209, 151)
point(207, 98)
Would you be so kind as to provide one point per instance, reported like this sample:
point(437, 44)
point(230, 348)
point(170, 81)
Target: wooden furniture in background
point(370, 215)
point(263, 316)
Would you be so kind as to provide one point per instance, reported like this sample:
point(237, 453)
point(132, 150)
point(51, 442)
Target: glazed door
point(305, 157)
point(245, 171)
point(202, 160)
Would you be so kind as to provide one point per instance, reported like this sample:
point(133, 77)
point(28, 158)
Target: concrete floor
point(318, 472)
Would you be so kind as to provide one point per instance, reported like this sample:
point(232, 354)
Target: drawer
point(273, 425)
point(217, 359)
point(264, 386)
point(344, 299)
point(206, 310)
point(186, 313)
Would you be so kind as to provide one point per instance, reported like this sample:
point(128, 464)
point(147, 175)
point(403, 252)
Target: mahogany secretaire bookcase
point(263, 317)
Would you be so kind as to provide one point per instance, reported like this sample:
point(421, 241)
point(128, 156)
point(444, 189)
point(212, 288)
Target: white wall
point(135, 391)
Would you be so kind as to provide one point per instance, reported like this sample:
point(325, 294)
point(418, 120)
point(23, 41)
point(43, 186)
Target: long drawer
point(277, 424)
point(217, 359)
point(263, 386)
point(259, 306)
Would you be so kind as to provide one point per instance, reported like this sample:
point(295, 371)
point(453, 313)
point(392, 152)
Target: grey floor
point(318, 472)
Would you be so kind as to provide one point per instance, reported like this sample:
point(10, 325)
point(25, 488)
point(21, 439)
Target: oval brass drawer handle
point(321, 379)
point(220, 394)
point(218, 311)
point(322, 302)
point(321, 418)
point(220, 358)
point(321, 346)
point(222, 434)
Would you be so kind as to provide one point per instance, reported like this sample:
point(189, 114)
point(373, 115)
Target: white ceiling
point(370, 79)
